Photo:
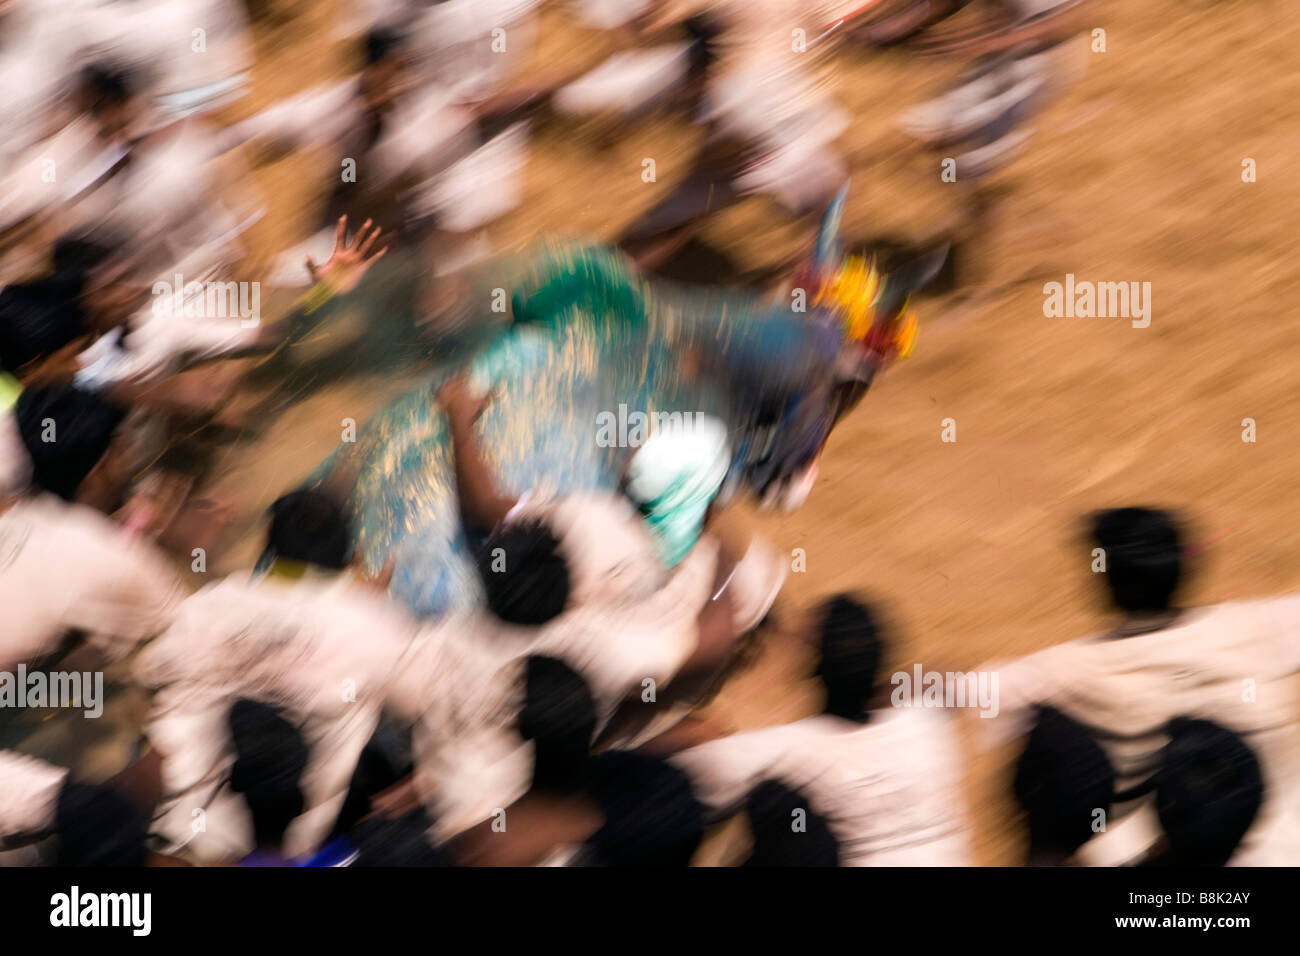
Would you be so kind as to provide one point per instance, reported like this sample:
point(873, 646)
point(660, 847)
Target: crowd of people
point(297, 713)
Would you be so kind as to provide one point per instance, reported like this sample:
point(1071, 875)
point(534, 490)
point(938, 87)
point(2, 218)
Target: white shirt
point(607, 546)
point(1231, 663)
point(890, 789)
point(323, 651)
point(15, 463)
point(66, 567)
point(29, 794)
point(463, 685)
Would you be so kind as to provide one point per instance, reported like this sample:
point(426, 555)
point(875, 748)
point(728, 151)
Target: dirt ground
point(973, 546)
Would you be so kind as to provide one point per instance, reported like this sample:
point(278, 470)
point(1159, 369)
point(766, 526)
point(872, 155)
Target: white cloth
point(890, 789)
point(608, 548)
point(323, 651)
point(66, 567)
point(159, 344)
point(29, 794)
point(627, 82)
point(463, 686)
point(15, 463)
point(37, 47)
point(774, 93)
point(474, 47)
point(1233, 664)
point(192, 54)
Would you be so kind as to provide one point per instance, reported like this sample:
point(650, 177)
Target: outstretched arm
point(481, 499)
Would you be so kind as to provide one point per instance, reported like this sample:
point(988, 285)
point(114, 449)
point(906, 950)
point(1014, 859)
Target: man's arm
point(481, 499)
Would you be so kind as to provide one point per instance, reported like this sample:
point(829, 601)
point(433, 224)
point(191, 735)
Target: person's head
point(68, 434)
point(107, 94)
point(559, 717)
point(97, 273)
point(36, 320)
point(651, 815)
point(97, 826)
point(786, 831)
point(1062, 780)
point(850, 639)
point(1208, 792)
point(381, 79)
point(524, 572)
point(1144, 557)
point(270, 757)
point(310, 527)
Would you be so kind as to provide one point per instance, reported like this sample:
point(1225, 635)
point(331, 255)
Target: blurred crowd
point(297, 714)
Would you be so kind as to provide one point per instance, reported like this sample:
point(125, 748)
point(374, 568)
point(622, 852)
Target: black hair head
point(310, 526)
point(270, 758)
point(559, 717)
point(1144, 556)
point(382, 43)
point(104, 85)
point(1062, 779)
point(66, 431)
point(851, 649)
point(1208, 792)
point(37, 319)
point(75, 257)
point(524, 573)
point(786, 830)
point(651, 815)
point(97, 826)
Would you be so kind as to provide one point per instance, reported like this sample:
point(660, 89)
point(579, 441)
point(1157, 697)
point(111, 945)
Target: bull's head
point(872, 312)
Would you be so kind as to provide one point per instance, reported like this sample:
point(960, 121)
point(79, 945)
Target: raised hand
point(347, 264)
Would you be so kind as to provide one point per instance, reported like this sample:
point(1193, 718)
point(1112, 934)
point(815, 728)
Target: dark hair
point(75, 257)
point(850, 654)
point(271, 756)
point(381, 43)
point(531, 585)
point(401, 841)
point(84, 425)
point(559, 717)
point(76, 254)
point(309, 525)
point(36, 319)
point(1062, 779)
point(97, 826)
point(651, 815)
point(1208, 792)
point(771, 807)
point(104, 85)
point(1144, 557)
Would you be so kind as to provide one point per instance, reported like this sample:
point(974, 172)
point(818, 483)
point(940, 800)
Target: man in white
point(67, 567)
point(1233, 664)
point(581, 579)
point(313, 639)
point(887, 780)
